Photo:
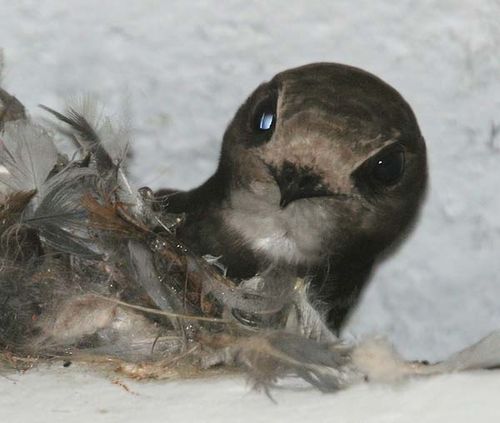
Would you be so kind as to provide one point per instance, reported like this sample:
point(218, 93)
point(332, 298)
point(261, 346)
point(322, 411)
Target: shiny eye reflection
point(266, 121)
point(263, 120)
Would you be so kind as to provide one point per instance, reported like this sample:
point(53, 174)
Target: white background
point(176, 70)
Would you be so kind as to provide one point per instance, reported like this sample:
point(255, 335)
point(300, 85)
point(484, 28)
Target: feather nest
point(88, 271)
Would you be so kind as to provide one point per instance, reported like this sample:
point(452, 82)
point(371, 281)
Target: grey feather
point(147, 276)
point(28, 154)
point(60, 199)
point(484, 354)
point(60, 216)
point(66, 242)
point(108, 146)
point(86, 135)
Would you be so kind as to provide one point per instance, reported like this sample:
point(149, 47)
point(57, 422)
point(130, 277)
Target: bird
point(322, 171)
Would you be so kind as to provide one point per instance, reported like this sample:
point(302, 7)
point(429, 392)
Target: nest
point(91, 270)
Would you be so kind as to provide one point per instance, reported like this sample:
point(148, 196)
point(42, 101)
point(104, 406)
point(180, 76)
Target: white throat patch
point(293, 235)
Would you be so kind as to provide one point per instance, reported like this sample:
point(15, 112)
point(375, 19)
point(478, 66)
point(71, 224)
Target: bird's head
point(320, 156)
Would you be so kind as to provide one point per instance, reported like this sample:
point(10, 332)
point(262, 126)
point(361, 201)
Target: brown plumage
point(334, 180)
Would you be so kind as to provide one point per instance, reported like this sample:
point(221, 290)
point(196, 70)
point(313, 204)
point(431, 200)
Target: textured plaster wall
point(176, 71)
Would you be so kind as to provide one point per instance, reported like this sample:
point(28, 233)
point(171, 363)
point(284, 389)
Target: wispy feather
point(60, 199)
point(161, 296)
point(86, 135)
point(108, 145)
point(28, 154)
point(59, 214)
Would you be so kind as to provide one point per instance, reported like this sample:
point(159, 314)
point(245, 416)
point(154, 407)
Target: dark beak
point(296, 183)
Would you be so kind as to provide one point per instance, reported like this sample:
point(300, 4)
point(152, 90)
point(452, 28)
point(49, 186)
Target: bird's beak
point(290, 192)
point(296, 183)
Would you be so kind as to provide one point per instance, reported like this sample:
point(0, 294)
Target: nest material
point(91, 270)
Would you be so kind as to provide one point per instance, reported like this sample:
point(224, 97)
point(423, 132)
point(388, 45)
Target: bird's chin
point(292, 235)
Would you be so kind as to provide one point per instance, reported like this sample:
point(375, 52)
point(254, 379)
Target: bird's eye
point(266, 121)
point(389, 167)
point(265, 116)
point(382, 171)
point(263, 120)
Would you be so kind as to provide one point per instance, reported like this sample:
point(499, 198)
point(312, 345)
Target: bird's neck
point(251, 236)
point(208, 195)
point(339, 284)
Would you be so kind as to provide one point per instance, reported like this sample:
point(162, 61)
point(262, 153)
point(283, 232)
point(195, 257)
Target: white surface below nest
point(70, 394)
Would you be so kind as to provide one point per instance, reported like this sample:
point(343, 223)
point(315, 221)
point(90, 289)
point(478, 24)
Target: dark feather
point(87, 136)
point(11, 108)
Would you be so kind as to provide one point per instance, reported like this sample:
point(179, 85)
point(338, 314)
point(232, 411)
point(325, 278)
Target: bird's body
point(321, 170)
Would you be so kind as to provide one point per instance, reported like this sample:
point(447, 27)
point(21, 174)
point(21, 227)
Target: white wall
point(178, 69)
